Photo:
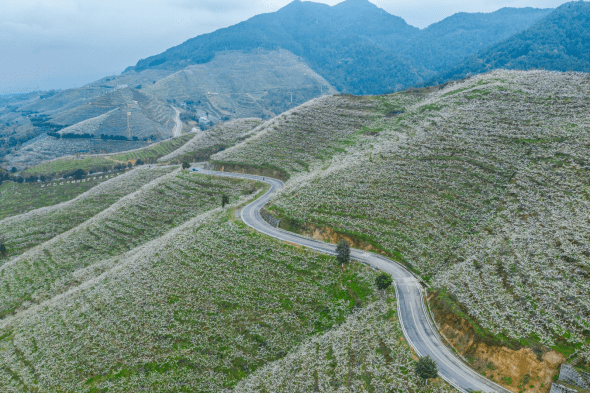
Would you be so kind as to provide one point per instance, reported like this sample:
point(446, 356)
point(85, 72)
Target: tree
point(426, 368)
point(343, 251)
point(3, 249)
point(186, 165)
point(78, 174)
point(13, 170)
point(129, 165)
point(139, 162)
point(224, 200)
point(383, 281)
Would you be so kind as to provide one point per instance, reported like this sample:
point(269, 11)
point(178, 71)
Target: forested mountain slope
point(481, 188)
point(559, 42)
point(356, 46)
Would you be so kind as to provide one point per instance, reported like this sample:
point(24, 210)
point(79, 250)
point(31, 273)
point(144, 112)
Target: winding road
point(416, 323)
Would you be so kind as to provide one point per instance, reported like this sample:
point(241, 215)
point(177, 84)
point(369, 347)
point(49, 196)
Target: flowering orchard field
point(25, 231)
point(481, 187)
point(210, 141)
point(364, 354)
point(304, 136)
point(197, 309)
point(71, 258)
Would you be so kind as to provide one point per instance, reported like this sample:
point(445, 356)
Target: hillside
point(164, 291)
point(190, 147)
point(208, 142)
point(242, 85)
point(25, 231)
point(559, 42)
point(358, 47)
point(119, 120)
point(481, 188)
point(302, 137)
point(126, 113)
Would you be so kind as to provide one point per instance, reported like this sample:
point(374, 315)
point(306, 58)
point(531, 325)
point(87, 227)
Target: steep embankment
point(478, 188)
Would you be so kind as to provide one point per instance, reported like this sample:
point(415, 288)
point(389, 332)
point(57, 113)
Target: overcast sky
point(47, 44)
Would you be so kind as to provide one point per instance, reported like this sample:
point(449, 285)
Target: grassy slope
point(33, 228)
point(68, 164)
point(367, 353)
point(197, 309)
point(304, 136)
point(156, 151)
point(20, 198)
point(97, 163)
point(165, 203)
point(482, 188)
point(209, 142)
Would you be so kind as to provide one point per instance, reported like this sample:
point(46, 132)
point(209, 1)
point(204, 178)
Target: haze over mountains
point(276, 61)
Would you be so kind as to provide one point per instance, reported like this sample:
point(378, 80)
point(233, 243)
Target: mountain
point(444, 44)
point(235, 84)
point(356, 46)
point(558, 42)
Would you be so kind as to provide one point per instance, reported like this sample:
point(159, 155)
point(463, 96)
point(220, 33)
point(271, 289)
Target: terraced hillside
point(134, 119)
point(98, 163)
point(44, 153)
point(26, 231)
point(307, 135)
point(160, 291)
point(211, 141)
point(124, 112)
point(19, 198)
point(481, 188)
point(371, 338)
point(156, 151)
point(151, 211)
point(237, 84)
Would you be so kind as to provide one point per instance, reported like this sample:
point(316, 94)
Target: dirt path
point(177, 131)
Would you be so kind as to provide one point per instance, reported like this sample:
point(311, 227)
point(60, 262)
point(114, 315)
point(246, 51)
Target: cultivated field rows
point(309, 134)
point(28, 230)
point(49, 269)
point(212, 140)
point(197, 309)
point(366, 353)
point(481, 187)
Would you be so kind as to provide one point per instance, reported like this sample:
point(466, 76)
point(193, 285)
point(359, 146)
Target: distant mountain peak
point(356, 4)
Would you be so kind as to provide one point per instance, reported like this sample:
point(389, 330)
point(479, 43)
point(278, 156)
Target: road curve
point(416, 324)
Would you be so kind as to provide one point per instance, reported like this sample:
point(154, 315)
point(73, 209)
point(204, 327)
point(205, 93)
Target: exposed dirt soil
point(519, 370)
point(515, 368)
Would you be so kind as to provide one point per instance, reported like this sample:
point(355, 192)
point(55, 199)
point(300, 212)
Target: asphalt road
point(418, 328)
